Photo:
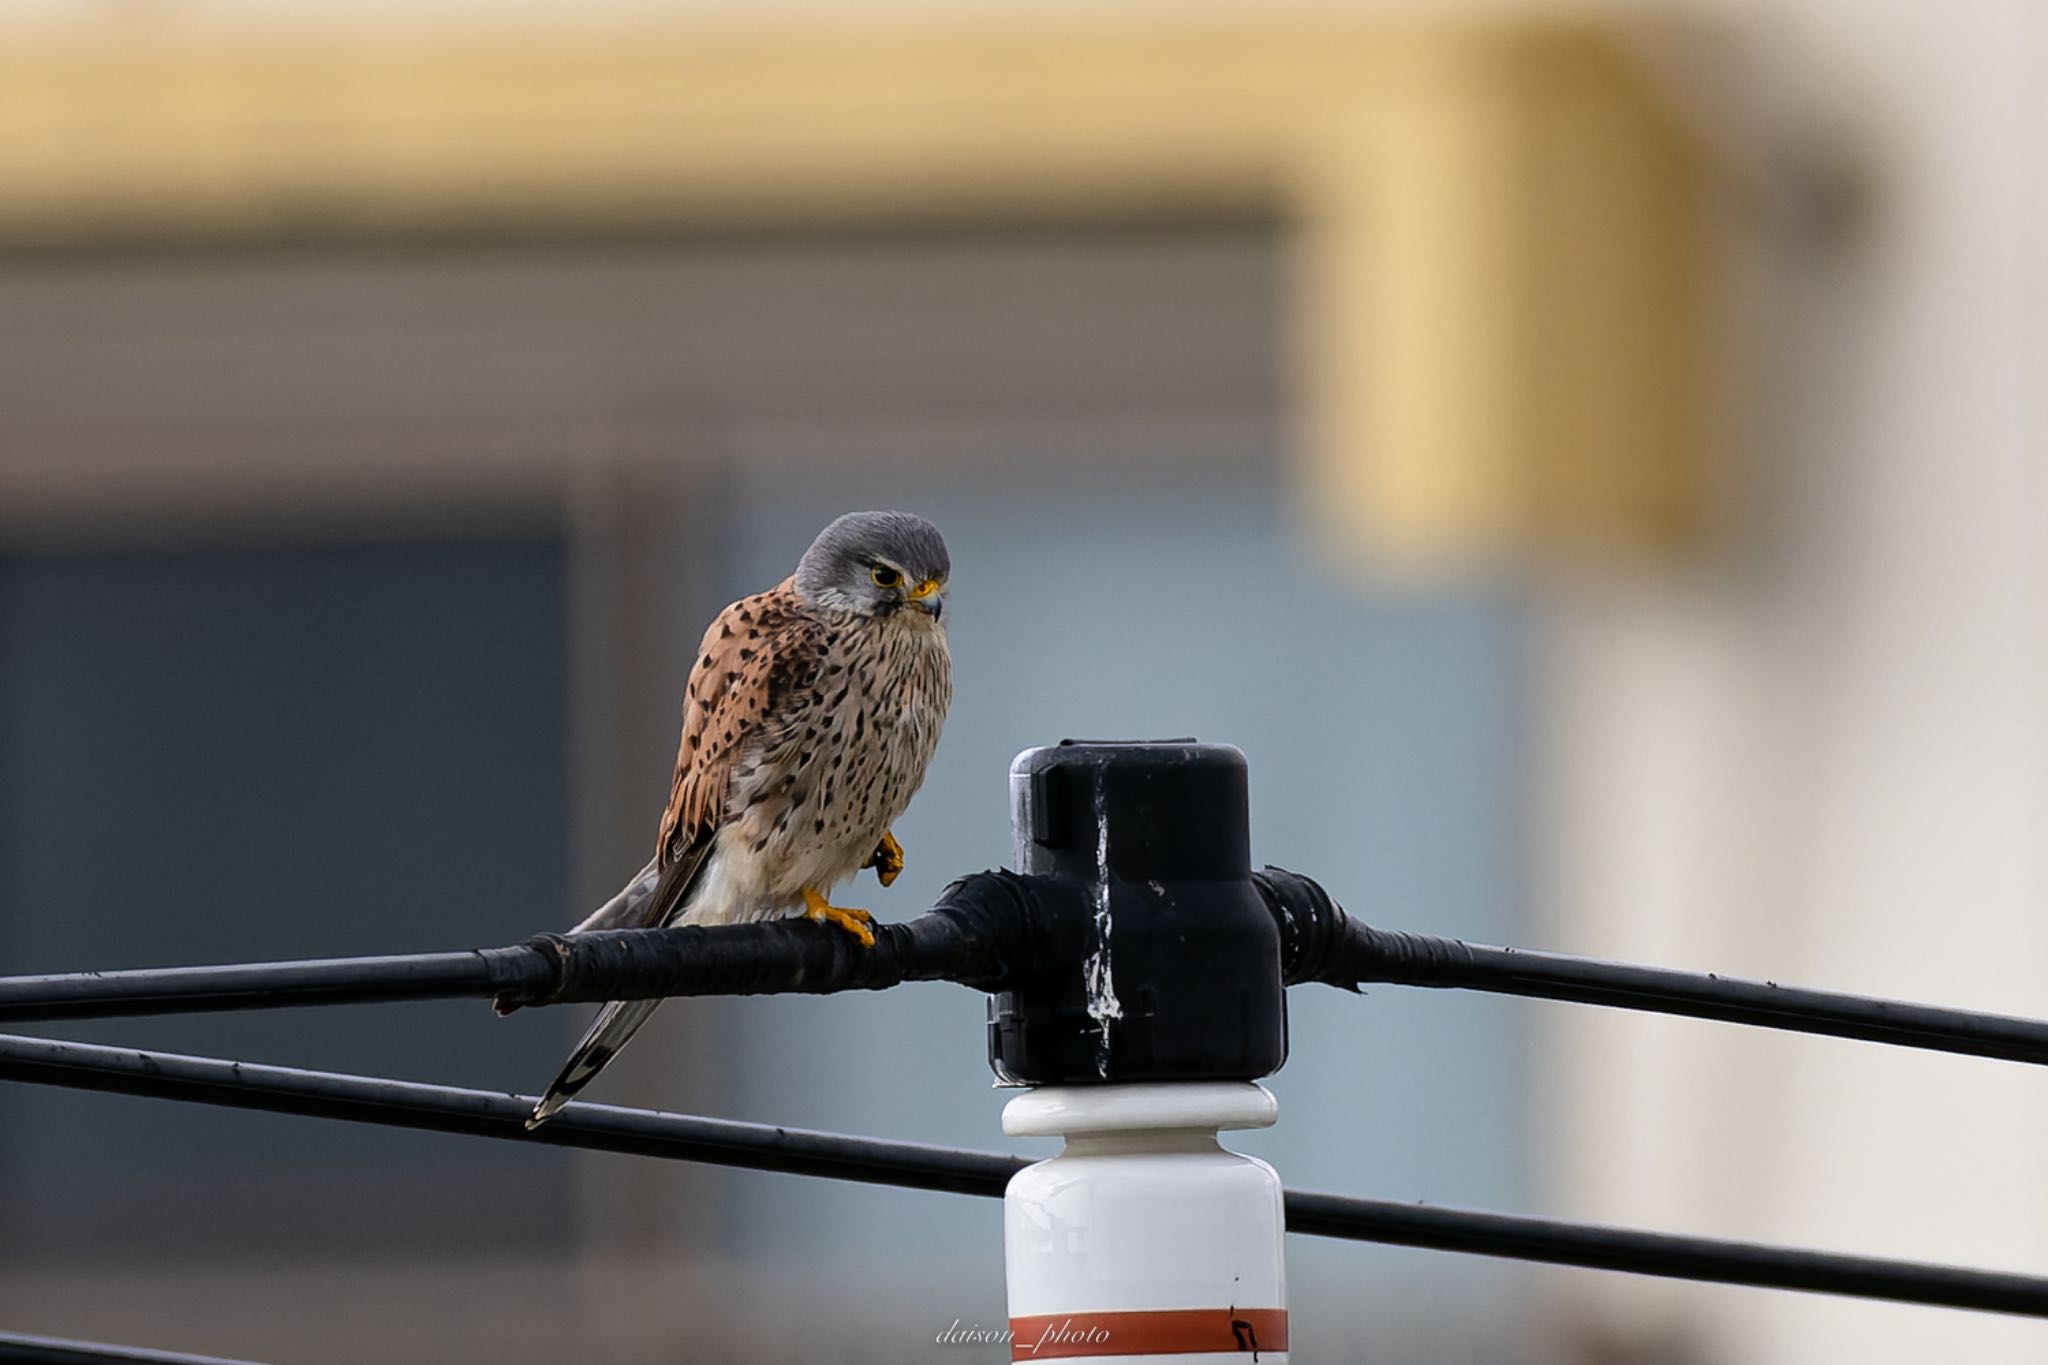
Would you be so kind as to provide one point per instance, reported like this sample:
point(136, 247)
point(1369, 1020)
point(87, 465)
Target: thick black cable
point(986, 931)
point(1319, 942)
point(488, 1113)
point(17, 1348)
point(482, 973)
point(917, 1166)
point(995, 931)
point(1665, 1255)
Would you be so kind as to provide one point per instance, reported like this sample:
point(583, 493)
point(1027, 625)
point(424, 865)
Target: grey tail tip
point(577, 1074)
point(544, 1109)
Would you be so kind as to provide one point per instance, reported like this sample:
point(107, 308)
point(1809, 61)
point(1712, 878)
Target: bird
point(809, 718)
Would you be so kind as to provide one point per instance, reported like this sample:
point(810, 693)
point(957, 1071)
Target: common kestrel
point(808, 721)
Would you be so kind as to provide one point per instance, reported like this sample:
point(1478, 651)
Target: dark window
point(254, 755)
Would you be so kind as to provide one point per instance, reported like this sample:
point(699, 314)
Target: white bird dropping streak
point(1102, 1001)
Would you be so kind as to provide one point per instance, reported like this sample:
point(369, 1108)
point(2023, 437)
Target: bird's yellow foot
point(854, 922)
point(888, 859)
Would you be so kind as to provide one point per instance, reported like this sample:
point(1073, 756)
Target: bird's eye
point(885, 577)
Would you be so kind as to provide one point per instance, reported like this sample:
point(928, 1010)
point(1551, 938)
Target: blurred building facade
point(451, 517)
point(1617, 563)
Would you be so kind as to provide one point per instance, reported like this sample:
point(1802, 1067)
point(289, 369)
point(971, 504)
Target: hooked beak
point(928, 596)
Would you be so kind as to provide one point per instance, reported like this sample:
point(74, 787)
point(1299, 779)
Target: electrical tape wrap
point(988, 930)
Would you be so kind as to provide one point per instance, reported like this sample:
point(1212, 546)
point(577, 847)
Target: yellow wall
point(1495, 288)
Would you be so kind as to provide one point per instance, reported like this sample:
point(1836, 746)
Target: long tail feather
point(616, 1024)
point(628, 909)
point(657, 895)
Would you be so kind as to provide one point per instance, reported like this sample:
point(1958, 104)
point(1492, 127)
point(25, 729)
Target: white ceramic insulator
point(1145, 1233)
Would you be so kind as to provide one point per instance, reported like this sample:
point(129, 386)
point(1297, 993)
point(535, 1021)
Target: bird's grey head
point(876, 563)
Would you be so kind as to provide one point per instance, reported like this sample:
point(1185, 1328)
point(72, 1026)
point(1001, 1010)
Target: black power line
point(1666, 1255)
point(17, 1348)
point(1422, 960)
point(991, 931)
point(987, 930)
point(268, 985)
point(917, 1166)
point(489, 1113)
point(1322, 943)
